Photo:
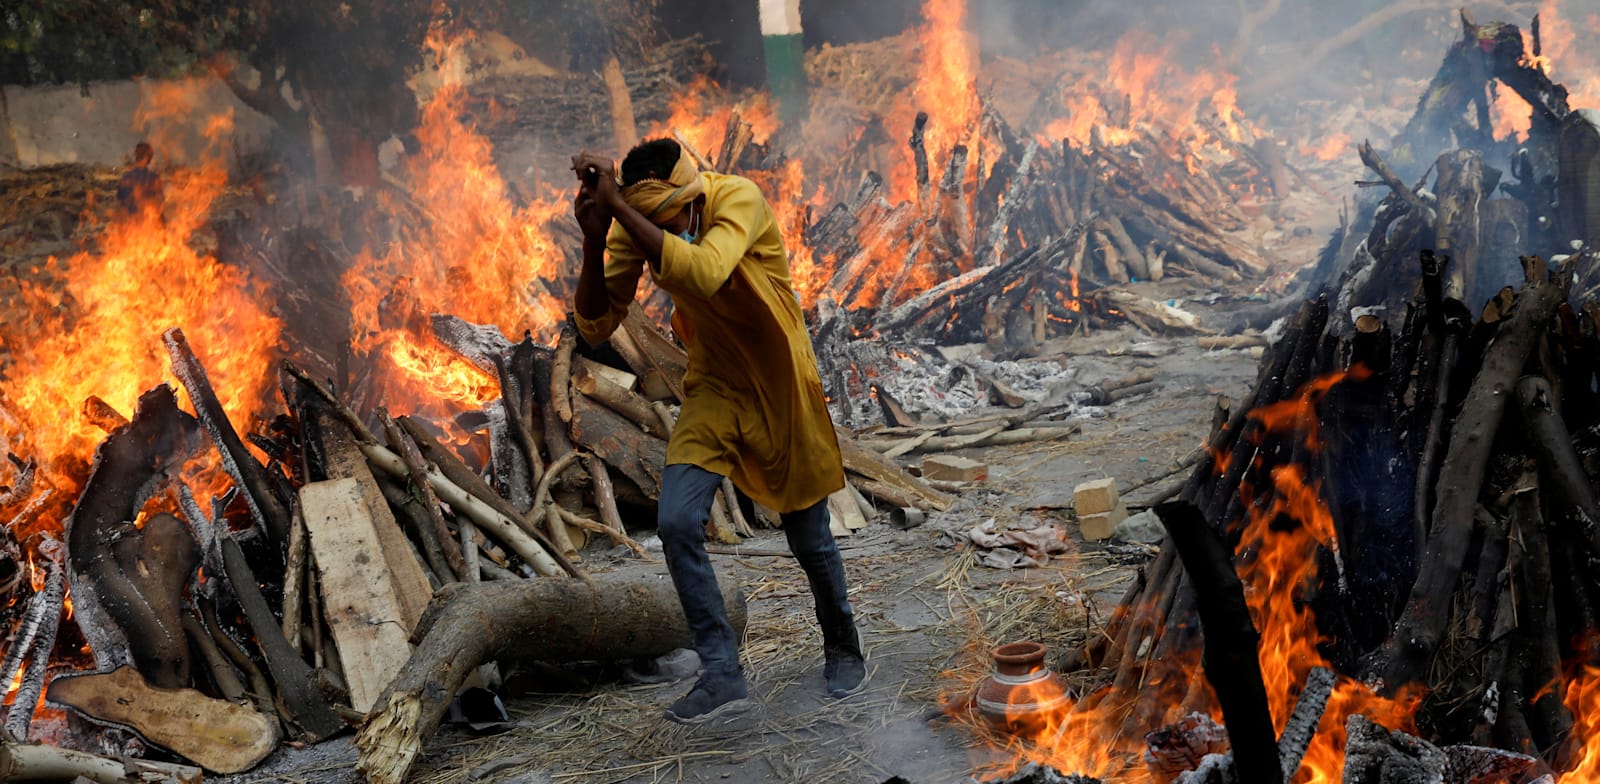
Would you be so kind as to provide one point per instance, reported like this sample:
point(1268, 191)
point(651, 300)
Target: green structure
point(784, 47)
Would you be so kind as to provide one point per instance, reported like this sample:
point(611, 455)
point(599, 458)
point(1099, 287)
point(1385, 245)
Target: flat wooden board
point(218, 735)
point(842, 507)
point(345, 461)
point(359, 599)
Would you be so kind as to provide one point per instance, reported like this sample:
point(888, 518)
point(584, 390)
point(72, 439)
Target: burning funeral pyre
point(248, 552)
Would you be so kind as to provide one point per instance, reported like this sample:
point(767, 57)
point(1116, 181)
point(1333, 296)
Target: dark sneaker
point(844, 670)
point(714, 700)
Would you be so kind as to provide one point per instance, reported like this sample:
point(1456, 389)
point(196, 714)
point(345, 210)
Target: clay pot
point(1022, 692)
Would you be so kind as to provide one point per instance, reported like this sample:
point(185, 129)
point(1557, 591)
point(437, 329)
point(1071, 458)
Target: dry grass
point(917, 671)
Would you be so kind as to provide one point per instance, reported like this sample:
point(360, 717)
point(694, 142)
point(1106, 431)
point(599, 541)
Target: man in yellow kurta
point(754, 409)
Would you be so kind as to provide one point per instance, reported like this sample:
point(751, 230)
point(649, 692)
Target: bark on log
point(158, 560)
point(20, 762)
point(1562, 475)
point(128, 465)
point(1231, 658)
point(1420, 628)
point(617, 398)
point(640, 456)
point(511, 530)
point(266, 507)
point(457, 476)
point(436, 535)
point(615, 616)
point(296, 683)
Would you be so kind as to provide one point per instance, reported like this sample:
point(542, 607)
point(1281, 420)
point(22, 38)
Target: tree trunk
point(614, 616)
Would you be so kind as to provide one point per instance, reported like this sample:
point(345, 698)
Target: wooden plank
point(363, 609)
point(410, 583)
point(843, 510)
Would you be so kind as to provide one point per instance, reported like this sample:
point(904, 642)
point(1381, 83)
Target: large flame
point(93, 321)
point(1566, 55)
point(1278, 564)
point(471, 253)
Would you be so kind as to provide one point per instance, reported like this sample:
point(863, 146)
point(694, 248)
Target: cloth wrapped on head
point(662, 200)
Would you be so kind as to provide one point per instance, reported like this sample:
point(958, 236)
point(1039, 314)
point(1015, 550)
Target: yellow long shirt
point(754, 408)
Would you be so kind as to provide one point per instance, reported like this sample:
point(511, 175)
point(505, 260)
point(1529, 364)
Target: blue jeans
point(687, 492)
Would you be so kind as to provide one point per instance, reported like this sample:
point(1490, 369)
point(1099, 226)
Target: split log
point(366, 613)
point(266, 508)
point(1232, 661)
point(20, 762)
point(615, 397)
point(217, 735)
point(638, 455)
point(396, 561)
point(614, 616)
point(1420, 629)
point(861, 460)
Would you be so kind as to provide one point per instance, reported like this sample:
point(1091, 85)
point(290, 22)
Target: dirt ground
point(926, 607)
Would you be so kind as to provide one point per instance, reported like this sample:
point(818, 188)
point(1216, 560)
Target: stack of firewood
point(1453, 454)
point(290, 608)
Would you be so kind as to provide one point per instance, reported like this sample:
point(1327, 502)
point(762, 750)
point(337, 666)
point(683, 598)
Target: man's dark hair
point(651, 160)
point(143, 152)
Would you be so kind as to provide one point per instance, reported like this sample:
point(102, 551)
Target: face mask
point(688, 235)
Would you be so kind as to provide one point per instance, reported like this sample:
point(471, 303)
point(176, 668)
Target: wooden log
point(1460, 187)
point(107, 605)
point(436, 535)
point(919, 156)
point(1539, 648)
point(447, 469)
point(532, 547)
point(640, 456)
point(1133, 259)
point(1565, 481)
point(158, 560)
point(624, 130)
point(22, 762)
point(295, 581)
point(617, 398)
point(1232, 662)
point(561, 368)
point(266, 508)
point(221, 673)
point(302, 696)
point(1420, 627)
point(616, 616)
point(658, 364)
point(606, 501)
point(31, 647)
point(861, 460)
point(217, 735)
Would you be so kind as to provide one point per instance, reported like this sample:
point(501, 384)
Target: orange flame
point(93, 322)
point(471, 253)
point(1277, 564)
